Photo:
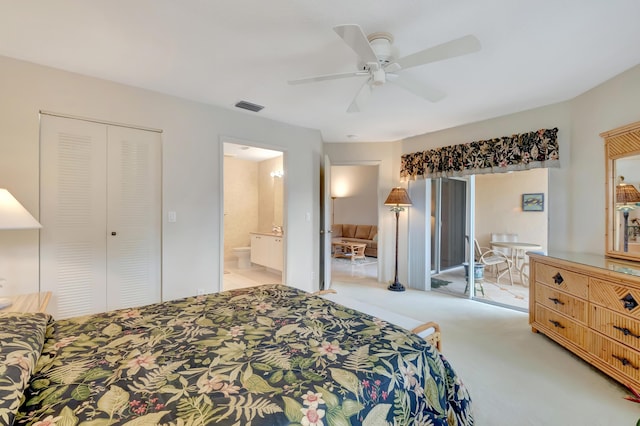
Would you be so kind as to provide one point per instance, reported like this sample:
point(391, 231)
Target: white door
point(101, 216)
point(326, 224)
point(134, 217)
point(73, 213)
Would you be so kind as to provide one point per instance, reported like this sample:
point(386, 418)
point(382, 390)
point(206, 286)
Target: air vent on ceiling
point(249, 106)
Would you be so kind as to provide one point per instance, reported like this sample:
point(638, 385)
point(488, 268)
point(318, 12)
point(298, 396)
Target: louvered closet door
point(134, 217)
point(73, 213)
point(101, 216)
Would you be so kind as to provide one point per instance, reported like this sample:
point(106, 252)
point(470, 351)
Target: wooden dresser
point(590, 305)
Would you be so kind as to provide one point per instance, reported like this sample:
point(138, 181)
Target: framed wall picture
point(533, 202)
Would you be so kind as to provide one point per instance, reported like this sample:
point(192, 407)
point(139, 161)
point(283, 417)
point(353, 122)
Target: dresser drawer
point(616, 297)
point(563, 280)
point(620, 357)
point(619, 327)
point(562, 302)
point(557, 323)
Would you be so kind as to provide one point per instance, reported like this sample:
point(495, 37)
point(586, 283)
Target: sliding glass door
point(448, 223)
point(490, 209)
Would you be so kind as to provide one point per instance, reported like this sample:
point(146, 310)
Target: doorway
point(354, 219)
point(502, 226)
point(254, 216)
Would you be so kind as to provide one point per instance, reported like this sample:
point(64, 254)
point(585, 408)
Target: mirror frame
point(618, 143)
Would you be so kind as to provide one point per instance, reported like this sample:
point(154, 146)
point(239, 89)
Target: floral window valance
point(518, 152)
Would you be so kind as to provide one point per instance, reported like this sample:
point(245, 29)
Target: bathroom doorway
point(254, 216)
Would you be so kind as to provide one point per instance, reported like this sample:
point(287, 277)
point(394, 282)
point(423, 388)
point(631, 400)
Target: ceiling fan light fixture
point(376, 60)
point(381, 45)
point(378, 77)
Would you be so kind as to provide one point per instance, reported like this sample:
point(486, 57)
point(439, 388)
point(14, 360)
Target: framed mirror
point(622, 208)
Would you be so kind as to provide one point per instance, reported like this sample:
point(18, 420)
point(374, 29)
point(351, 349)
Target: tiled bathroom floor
point(240, 278)
point(341, 271)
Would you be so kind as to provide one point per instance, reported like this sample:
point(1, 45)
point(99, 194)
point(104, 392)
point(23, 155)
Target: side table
point(32, 302)
point(348, 249)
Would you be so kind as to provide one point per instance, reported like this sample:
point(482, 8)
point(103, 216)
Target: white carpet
point(515, 377)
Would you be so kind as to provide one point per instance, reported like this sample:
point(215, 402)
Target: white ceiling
point(249, 153)
point(218, 52)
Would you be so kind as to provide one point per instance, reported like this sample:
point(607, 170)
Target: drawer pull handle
point(626, 332)
point(625, 362)
point(556, 301)
point(557, 278)
point(556, 324)
point(629, 302)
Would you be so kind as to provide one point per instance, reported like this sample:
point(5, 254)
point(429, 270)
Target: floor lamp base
point(396, 286)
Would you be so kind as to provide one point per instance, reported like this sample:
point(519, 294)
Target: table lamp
point(626, 197)
point(13, 216)
point(398, 199)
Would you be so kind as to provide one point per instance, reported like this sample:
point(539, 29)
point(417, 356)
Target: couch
point(357, 233)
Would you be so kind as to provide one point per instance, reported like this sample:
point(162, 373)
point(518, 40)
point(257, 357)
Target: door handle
point(114, 233)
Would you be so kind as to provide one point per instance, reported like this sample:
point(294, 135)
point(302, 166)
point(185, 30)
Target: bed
point(268, 355)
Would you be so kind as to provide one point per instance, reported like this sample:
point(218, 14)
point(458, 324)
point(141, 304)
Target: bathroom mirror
point(622, 212)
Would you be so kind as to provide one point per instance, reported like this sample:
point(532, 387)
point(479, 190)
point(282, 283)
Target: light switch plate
point(172, 217)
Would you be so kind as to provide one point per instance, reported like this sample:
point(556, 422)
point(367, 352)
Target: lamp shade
point(13, 215)
point(626, 193)
point(398, 197)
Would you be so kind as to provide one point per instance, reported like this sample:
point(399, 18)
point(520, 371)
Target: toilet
point(244, 257)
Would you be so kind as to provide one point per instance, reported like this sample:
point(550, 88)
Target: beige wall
point(192, 171)
point(240, 203)
point(356, 192)
point(498, 206)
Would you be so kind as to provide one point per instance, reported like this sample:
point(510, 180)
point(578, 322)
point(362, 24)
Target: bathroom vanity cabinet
point(267, 250)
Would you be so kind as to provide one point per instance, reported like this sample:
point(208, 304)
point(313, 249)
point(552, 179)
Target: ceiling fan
point(377, 64)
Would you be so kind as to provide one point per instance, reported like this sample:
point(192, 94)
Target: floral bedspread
point(269, 355)
point(21, 340)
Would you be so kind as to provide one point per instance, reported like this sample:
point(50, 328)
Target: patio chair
point(492, 259)
point(503, 237)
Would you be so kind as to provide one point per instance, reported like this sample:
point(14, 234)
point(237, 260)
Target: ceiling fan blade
point(418, 88)
point(328, 77)
point(361, 99)
point(355, 38)
point(450, 49)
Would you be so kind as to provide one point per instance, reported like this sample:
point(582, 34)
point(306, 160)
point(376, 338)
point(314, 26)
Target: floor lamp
point(333, 210)
point(626, 194)
point(398, 199)
point(13, 216)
